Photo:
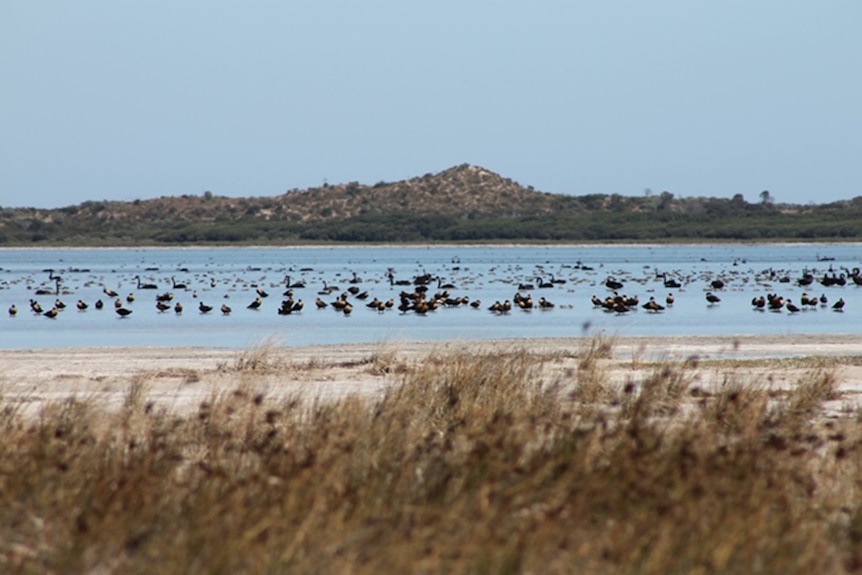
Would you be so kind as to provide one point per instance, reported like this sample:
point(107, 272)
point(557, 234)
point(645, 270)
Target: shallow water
point(231, 275)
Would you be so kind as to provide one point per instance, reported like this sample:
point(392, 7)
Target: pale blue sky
point(123, 101)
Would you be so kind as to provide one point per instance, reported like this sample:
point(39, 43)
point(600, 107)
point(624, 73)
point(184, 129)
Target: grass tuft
point(470, 462)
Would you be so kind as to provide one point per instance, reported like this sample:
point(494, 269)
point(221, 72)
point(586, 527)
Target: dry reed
point(472, 463)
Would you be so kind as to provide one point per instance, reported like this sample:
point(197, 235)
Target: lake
point(573, 274)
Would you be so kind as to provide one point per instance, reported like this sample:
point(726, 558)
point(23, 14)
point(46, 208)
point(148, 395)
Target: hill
point(463, 203)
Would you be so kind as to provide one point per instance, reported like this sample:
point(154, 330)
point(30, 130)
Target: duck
point(712, 298)
point(203, 308)
point(162, 307)
point(653, 305)
point(838, 305)
point(669, 299)
point(255, 304)
point(13, 310)
point(225, 309)
point(123, 312)
point(52, 313)
point(81, 305)
point(791, 307)
point(178, 308)
point(99, 304)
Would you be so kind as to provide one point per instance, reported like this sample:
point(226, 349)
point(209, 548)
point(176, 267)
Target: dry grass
point(471, 464)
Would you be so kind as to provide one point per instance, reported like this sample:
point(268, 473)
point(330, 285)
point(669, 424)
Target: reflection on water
point(567, 276)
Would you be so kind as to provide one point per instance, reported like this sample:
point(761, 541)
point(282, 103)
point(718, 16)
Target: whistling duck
point(162, 307)
point(52, 313)
point(203, 308)
point(178, 308)
point(99, 304)
point(109, 292)
point(791, 307)
point(261, 293)
point(123, 312)
point(81, 305)
point(13, 310)
point(838, 305)
point(712, 298)
point(669, 299)
point(225, 310)
point(255, 304)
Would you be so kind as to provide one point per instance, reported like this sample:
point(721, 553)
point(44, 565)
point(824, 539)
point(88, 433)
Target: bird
point(123, 312)
point(670, 283)
point(204, 308)
point(613, 284)
point(712, 298)
point(255, 304)
point(52, 313)
point(109, 292)
point(261, 293)
point(838, 305)
point(545, 304)
point(178, 285)
point(653, 305)
point(791, 307)
point(81, 305)
point(143, 285)
point(225, 309)
point(130, 298)
point(162, 307)
point(13, 310)
point(669, 299)
point(178, 307)
point(99, 304)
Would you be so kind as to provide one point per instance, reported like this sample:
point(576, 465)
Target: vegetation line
point(464, 204)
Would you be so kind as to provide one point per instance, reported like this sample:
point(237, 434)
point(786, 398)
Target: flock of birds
point(419, 294)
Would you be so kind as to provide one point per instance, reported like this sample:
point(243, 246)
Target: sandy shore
point(180, 378)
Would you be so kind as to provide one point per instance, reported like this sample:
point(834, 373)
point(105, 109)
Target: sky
point(106, 100)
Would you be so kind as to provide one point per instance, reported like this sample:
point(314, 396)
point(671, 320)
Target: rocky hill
point(463, 203)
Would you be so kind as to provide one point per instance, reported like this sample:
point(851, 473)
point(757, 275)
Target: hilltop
point(462, 203)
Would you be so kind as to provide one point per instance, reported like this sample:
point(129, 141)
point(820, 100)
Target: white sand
point(180, 378)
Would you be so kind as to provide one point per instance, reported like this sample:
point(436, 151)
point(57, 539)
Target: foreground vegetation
point(462, 204)
point(467, 464)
